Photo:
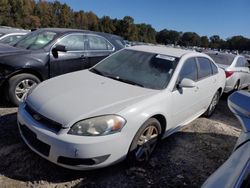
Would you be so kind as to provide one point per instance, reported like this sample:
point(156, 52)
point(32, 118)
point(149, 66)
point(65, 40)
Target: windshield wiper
point(115, 77)
point(124, 80)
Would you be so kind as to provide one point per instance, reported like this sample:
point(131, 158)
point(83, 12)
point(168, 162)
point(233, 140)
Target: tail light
point(228, 73)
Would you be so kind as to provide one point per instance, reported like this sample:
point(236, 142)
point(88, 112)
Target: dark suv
point(46, 53)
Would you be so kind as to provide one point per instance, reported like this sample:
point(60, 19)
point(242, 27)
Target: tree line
point(39, 14)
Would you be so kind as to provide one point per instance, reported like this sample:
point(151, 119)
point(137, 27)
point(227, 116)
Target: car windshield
point(139, 68)
point(36, 40)
point(223, 59)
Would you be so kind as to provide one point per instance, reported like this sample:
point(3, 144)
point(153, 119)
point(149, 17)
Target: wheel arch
point(162, 119)
point(220, 91)
point(27, 71)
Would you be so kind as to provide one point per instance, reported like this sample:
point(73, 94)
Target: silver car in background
point(236, 70)
point(235, 172)
point(11, 35)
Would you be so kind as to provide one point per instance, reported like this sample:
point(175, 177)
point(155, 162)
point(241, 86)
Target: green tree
point(106, 25)
point(92, 21)
point(5, 12)
point(215, 41)
point(204, 41)
point(190, 39)
point(238, 43)
point(161, 37)
point(81, 20)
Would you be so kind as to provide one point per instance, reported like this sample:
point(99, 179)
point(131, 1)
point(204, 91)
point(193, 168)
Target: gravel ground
point(185, 159)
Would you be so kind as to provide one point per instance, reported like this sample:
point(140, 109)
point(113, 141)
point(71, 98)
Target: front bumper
point(69, 151)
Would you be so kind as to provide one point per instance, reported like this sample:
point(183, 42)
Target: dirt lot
point(184, 159)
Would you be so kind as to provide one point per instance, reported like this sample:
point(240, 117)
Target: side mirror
point(59, 48)
point(186, 82)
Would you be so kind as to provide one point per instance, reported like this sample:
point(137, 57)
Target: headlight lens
point(98, 126)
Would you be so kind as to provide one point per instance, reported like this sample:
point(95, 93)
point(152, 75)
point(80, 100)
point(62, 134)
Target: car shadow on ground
point(176, 163)
point(223, 114)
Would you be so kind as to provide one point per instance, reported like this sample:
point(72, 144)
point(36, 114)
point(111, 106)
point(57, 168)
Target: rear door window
point(98, 43)
point(205, 68)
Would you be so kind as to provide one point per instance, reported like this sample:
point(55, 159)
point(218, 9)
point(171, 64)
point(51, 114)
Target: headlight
point(98, 126)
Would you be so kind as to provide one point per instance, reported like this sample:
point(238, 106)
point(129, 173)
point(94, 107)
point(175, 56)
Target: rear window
point(98, 43)
point(224, 59)
point(241, 62)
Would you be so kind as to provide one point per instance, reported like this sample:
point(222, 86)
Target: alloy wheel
point(146, 143)
point(23, 88)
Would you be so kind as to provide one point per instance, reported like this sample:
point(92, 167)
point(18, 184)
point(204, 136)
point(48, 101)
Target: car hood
point(83, 94)
point(6, 50)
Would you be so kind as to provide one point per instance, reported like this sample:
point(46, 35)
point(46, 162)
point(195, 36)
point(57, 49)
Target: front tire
point(19, 85)
point(213, 104)
point(144, 142)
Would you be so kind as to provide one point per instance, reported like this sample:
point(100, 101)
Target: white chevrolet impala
point(120, 108)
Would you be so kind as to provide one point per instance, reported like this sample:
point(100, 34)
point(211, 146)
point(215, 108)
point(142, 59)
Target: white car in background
point(236, 70)
point(119, 108)
point(11, 35)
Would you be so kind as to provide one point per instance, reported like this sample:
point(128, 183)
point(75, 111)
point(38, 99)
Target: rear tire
point(19, 85)
point(144, 142)
point(213, 104)
point(237, 86)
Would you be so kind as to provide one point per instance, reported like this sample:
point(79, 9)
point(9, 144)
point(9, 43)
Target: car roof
point(231, 56)
point(170, 51)
point(12, 30)
point(223, 58)
point(67, 30)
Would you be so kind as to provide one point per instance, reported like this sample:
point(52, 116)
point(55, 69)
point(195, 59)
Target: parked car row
point(123, 103)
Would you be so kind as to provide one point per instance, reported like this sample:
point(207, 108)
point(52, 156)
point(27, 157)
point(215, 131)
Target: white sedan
point(120, 108)
point(236, 70)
